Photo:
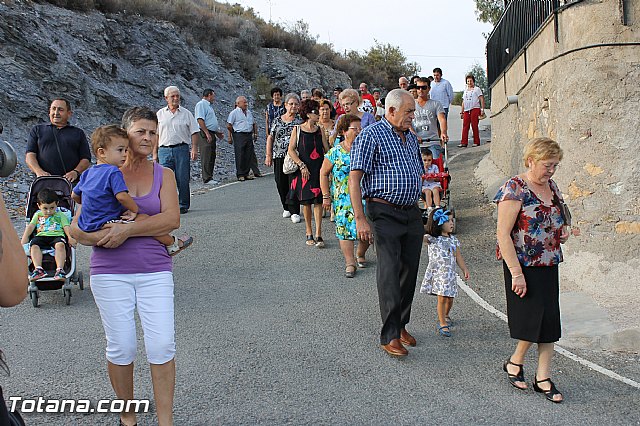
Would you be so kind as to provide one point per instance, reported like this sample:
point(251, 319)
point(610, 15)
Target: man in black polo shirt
point(57, 148)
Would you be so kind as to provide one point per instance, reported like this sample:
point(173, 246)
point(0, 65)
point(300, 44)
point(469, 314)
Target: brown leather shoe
point(395, 348)
point(407, 339)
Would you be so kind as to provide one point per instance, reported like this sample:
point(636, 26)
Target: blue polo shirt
point(392, 169)
point(204, 110)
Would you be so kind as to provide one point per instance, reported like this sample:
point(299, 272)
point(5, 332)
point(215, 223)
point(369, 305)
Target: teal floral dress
point(340, 199)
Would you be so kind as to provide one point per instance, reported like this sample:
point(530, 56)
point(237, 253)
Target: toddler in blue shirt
point(102, 191)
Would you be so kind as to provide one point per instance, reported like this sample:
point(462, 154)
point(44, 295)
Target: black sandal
point(513, 378)
point(549, 394)
point(350, 271)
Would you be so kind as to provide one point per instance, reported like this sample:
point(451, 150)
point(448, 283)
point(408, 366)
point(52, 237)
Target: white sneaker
point(295, 218)
point(286, 213)
point(212, 182)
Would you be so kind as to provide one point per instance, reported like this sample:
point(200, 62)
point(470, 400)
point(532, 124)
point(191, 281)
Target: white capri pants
point(117, 296)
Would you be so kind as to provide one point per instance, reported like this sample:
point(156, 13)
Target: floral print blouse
point(536, 233)
point(281, 132)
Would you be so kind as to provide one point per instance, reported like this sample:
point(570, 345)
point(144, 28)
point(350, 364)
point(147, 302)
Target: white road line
point(454, 157)
point(480, 301)
point(227, 184)
point(562, 351)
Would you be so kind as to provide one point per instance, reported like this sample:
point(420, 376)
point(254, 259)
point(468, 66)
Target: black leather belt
point(395, 206)
point(173, 146)
point(244, 133)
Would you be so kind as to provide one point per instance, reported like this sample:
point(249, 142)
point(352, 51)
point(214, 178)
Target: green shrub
point(262, 90)
point(457, 98)
point(235, 34)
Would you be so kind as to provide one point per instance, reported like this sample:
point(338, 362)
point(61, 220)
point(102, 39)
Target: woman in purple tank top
point(131, 270)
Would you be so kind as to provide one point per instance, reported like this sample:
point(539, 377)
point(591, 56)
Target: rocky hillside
point(107, 63)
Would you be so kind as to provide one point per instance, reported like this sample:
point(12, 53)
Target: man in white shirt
point(243, 132)
point(209, 131)
point(441, 91)
point(177, 135)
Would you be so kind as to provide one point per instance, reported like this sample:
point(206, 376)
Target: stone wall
point(588, 100)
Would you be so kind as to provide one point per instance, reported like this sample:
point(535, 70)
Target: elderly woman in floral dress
point(277, 145)
point(531, 227)
point(337, 162)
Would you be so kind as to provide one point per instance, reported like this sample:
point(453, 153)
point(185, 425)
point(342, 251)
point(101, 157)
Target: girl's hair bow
point(441, 216)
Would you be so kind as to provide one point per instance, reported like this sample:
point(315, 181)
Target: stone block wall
point(584, 92)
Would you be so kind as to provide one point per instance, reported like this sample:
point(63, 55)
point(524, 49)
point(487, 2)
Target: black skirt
point(535, 317)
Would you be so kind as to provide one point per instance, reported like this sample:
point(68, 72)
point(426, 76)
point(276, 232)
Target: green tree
point(490, 10)
point(481, 81)
point(387, 63)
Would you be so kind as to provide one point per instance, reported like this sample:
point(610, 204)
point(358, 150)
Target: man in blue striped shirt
point(385, 158)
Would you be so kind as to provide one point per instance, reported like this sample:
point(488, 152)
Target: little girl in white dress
point(440, 276)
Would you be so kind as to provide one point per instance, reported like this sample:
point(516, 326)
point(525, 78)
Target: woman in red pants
point(472, 107)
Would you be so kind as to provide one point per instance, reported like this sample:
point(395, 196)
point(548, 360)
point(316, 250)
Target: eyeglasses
point(422, 87)
point(551, 167)
point(314, 111)
point(348, 103)
point(356, 129)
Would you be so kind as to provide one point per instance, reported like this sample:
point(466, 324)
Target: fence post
point(622, 7)
point(555, 4)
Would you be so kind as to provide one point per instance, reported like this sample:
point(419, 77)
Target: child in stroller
point(103, 192)
point(430, 185)
point(435, 189)
point(52, 227)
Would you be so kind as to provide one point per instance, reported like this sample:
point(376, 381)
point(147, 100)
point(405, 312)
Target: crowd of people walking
point(371, 178)
point(362, 158)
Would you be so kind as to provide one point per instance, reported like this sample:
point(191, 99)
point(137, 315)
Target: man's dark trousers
point(398, 237)
point(207, 155)
point(243, 148)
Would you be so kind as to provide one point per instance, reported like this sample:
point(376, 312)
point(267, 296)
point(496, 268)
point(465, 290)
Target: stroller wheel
point(80, 281)
point(34, 298)
point(67, 297)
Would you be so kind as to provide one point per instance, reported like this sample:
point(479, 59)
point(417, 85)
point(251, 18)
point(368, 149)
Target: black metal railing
point(519, 22)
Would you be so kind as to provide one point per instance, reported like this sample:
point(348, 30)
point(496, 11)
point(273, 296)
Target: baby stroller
point(444, 178)
point(66, 205)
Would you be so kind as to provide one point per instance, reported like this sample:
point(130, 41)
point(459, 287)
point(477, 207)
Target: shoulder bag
point(55, 137)
point(289, 166)
point(564, 209)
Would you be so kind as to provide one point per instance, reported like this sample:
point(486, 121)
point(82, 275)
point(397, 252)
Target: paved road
point(269, 332)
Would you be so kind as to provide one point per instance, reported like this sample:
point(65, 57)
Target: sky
point(442, 33)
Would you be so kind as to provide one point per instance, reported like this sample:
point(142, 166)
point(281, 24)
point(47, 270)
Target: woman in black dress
point(531, 227)
point(307, 148)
